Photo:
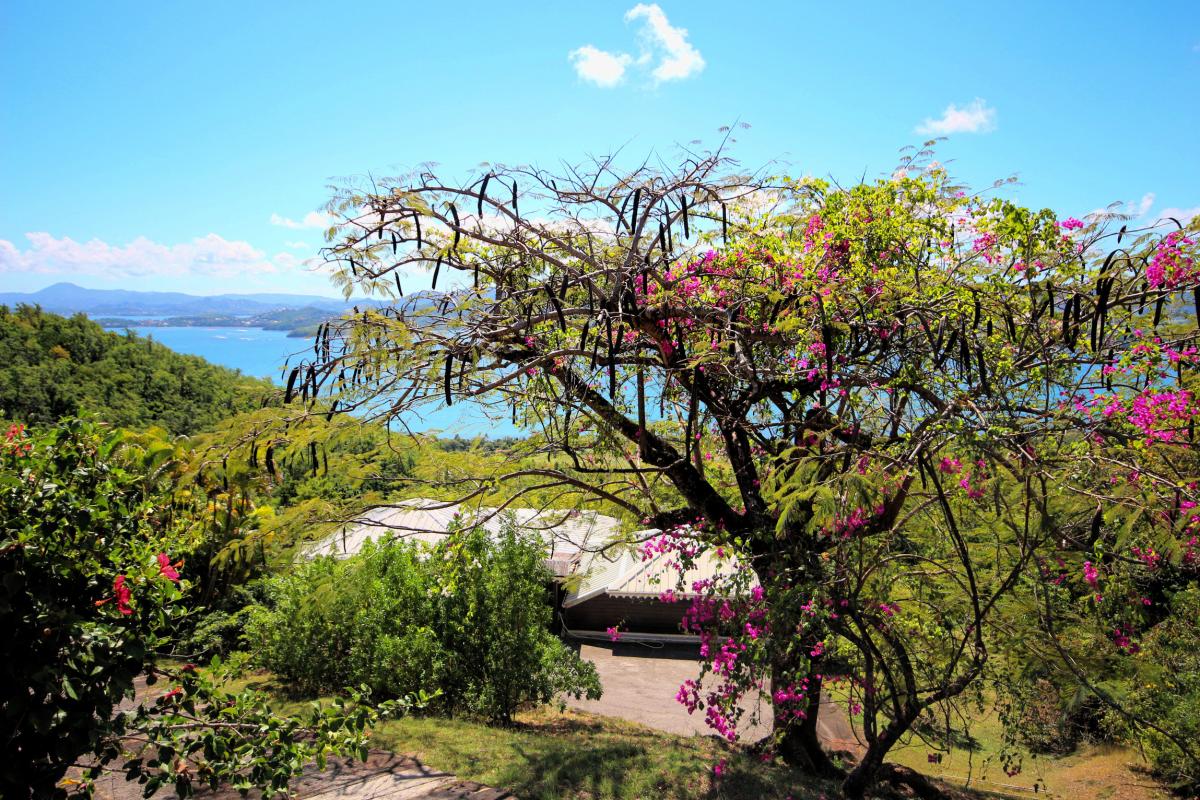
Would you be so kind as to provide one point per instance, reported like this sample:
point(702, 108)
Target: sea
point(256, 352)
point(261, 353)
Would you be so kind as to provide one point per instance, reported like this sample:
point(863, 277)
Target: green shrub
point(470, 617)
point(1165, 689)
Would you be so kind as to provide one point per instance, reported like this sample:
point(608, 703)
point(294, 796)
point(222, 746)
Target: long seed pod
point(353, 268)
point(516, 213)
point(417, 224)
point(981, 368)
point(399, 290)
point(1196, 300)
point(1102, 311)
point(324, 459)
point(269, 460)
point(332, 410)
point(394, 243)
point(978, 311)
point(1158, 309)
point(637, 198)
point(483, 194)
point(317, 340)
point(621, 211)
point(253, 460)
point(583, 336)
point(641, 411)
point(964, 355)
point(724, 224)
point(436, 269)
point(312, 452)
point(662, 243)
point(562, 320)
point(457, 226)
point(446, 380)
point(683, 206)
point(287, 393)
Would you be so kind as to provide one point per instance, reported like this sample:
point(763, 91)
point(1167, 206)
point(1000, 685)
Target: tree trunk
point(799, 746)
point(864, 774)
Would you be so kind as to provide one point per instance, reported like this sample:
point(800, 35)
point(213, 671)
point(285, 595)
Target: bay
point(260, 354)
point(256, 352)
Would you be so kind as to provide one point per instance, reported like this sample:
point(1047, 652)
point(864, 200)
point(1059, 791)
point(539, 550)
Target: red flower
point(123, 595)
point(165, 569)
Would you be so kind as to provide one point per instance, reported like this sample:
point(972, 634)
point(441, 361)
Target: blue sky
point(150, 145)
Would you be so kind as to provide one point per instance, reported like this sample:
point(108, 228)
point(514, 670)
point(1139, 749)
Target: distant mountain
point(67, 298)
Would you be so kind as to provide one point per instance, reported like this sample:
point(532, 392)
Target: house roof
point(566, 533)
point(623, 572)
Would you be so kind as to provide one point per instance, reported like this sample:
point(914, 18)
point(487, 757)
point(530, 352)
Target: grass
point(1101, 771)
point(548, 753)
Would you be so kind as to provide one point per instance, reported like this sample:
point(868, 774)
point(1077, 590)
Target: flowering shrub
point(90, 591)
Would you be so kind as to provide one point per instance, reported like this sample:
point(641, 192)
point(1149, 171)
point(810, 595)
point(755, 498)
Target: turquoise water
point(255, 352)
point(261, 354)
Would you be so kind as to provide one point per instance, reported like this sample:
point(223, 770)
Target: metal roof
point(623, 572)
point(566, 533)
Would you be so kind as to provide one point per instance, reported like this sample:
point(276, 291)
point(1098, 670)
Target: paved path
point(640, 684)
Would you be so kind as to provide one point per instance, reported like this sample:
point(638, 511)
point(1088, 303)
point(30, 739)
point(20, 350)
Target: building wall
point(628, 614)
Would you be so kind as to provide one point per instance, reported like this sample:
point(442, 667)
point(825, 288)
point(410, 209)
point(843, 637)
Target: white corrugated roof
point(622, 572)
point(566, 533)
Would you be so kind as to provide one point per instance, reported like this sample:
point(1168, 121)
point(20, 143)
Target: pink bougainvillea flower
point(165, 569)
point(123, 595)
point(614, 634)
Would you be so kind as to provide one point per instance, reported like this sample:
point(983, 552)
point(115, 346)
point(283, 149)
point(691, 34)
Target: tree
point(868, 394)
point(92, 586)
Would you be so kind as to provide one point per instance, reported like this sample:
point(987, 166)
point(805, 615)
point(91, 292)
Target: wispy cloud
point(666, 53)
point(975, 117)
point(313, 219)
point(1142, 211)
point(1184, 215)
point(208, 256)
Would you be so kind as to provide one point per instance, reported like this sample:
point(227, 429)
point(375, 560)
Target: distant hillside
point(297, 321)
point(67, 298)
point(52, 366)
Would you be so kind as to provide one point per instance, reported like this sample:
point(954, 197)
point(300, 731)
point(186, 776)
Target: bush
point(1166, 691)
point(469, 618)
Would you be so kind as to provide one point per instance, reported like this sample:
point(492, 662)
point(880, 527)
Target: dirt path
point(383, 776)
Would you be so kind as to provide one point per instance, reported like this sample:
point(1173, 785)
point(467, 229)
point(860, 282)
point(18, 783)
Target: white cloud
point(208, 256)
point(599, 66)
point(679, 59)
point(1184, 215)
point(298, 245)
point(313, 219)
point(666, 52)
point(975, 117)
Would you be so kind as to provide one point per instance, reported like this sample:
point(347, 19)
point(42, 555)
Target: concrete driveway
point(640, 682)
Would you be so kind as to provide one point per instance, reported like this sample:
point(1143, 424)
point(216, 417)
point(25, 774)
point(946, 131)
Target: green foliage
point(1165, 689)
point(53, 367)
point(89, 598)
point(70, 524)
point(469, 618)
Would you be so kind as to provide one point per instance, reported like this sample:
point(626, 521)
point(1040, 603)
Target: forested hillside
point(53, 366)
